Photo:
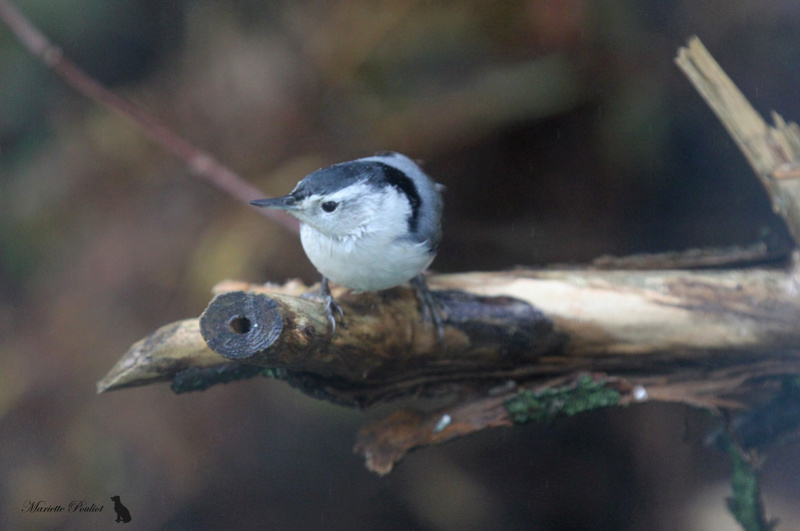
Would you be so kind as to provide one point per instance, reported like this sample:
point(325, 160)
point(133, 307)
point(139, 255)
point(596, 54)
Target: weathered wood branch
point(773, 152)
point(647, 325)
point(383, 337)
point(525, 344)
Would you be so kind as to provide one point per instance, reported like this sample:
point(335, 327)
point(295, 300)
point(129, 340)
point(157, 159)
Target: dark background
point(562, 130)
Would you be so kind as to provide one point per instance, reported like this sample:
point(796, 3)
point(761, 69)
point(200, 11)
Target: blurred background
point(562, 130)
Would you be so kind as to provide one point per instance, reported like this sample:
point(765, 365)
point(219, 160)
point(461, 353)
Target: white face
point(354, 211)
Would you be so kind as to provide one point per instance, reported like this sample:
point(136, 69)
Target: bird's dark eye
point(329, 206)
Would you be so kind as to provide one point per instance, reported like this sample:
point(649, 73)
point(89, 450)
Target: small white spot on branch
point(640, 393)
point(443, 423)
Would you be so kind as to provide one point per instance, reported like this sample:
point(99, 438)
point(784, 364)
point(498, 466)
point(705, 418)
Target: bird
point(369, 224)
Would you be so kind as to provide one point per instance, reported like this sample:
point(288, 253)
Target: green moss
point(543, 406)
point(745, 504)
point(547, 405)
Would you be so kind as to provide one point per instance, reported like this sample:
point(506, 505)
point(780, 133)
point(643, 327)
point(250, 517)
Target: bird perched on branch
point(369, 224)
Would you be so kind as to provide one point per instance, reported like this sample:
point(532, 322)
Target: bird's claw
point(431, 308)
point(331, 307)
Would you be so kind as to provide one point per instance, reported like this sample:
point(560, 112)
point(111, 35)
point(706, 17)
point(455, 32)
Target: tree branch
point(579, 338)
point(662, 330)
point(199, 162)
point(773, 152)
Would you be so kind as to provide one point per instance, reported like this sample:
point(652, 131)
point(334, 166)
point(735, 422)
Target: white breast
point(368, 262)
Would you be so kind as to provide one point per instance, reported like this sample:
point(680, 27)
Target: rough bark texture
point(720, 332)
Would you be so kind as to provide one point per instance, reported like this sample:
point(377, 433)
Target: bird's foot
point(433, 311)
point(331, 307)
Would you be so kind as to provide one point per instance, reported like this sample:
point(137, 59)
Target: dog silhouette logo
point(123, 514)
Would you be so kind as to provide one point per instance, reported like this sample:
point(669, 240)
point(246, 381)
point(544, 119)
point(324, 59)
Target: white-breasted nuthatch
point(369, 224)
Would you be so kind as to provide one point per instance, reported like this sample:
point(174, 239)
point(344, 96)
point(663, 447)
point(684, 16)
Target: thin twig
point(200, 163)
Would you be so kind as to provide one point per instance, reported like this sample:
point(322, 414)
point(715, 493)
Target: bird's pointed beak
point(286, 202)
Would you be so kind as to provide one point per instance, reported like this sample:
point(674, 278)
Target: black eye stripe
point(405, 185)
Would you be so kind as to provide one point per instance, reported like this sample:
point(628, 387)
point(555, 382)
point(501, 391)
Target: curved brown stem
point(200, 163)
